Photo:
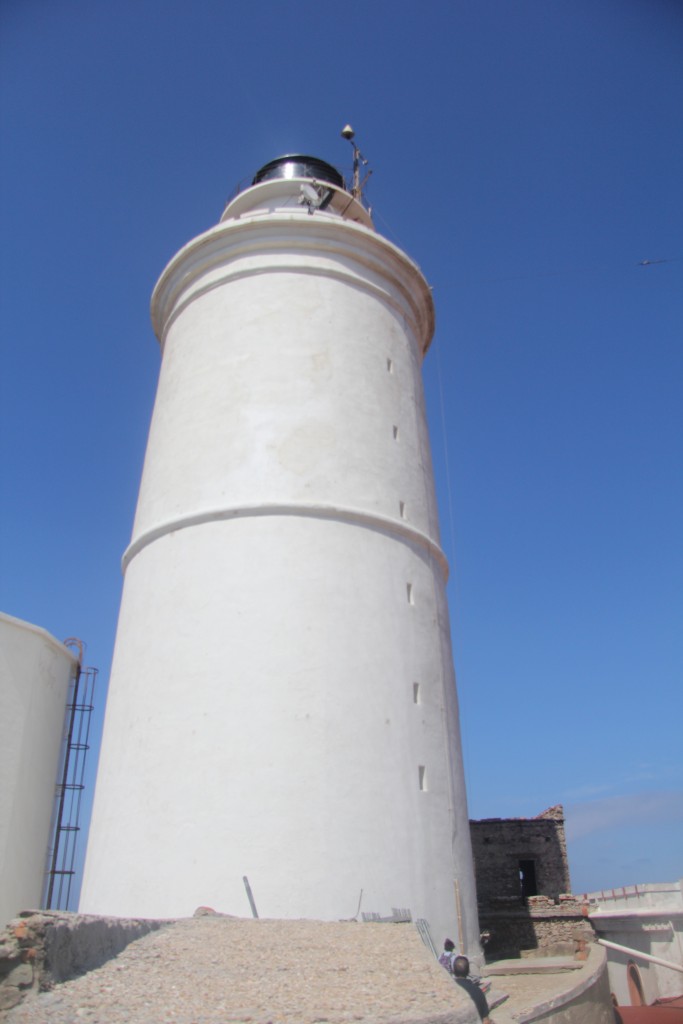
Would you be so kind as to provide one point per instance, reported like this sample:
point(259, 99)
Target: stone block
point(10, 995)
point(20, 976)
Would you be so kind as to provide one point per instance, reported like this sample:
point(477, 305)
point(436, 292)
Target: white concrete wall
point(285, 595)
point(668, 895)
point(35, 670)
point(648, 919)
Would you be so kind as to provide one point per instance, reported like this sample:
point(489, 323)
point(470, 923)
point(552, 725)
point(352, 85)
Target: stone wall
point(539, 928)
point(41, 948)
point(505, 847)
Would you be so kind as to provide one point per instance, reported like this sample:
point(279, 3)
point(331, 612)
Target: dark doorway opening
point(527, 878)
point(635, 985)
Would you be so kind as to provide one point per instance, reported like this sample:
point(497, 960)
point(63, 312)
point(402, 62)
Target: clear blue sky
point(527, 154)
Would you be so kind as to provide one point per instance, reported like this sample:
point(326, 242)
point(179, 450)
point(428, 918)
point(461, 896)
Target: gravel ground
point(221, 970)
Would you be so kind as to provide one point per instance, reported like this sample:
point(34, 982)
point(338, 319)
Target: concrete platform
point(550, 989)
point(529, 965)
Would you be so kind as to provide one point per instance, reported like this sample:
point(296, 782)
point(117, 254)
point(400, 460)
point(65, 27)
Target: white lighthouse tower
point(282, 703)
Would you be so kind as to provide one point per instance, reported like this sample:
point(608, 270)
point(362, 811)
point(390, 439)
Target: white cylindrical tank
point(282, 702)
point(35, 673)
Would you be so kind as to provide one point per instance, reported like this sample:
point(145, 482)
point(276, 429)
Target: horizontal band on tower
point(287, 243)
point(355, 517)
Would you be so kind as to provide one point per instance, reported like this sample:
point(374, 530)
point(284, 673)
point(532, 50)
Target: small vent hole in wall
point(402, 509)
point(409, 593)
point(390, 366)
point(422, 777)
point(395, 430)
point(416, 693)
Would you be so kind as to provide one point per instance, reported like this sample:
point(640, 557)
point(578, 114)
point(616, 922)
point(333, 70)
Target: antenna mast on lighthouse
point(347, 132)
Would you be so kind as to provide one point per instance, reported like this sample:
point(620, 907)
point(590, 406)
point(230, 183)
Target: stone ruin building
point(523, 886)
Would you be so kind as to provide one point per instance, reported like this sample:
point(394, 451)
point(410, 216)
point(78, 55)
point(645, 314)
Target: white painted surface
point(646, 919)
point(35, 670)
point(284, 591)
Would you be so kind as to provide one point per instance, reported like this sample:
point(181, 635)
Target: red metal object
point(662, 1011)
